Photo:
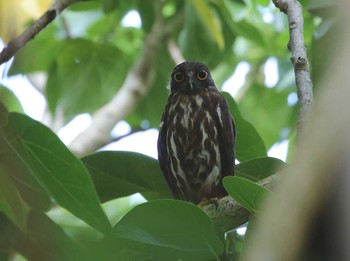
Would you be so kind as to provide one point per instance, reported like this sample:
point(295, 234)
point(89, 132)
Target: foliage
point(86, 55)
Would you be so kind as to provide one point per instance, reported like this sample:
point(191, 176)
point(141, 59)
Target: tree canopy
point(72, 202)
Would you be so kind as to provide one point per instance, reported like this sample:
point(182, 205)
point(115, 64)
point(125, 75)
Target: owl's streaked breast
point(194, 154)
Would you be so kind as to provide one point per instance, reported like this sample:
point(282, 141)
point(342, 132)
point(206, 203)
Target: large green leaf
point(150, 108)
point(49, 236)
point(118, 174)
point(245, 192)
point(249, 143)
point(85, 76)
point(211, 22)
point(196, 40)
point(11, 203)
point(13, 167)
point(62, 175)
point(12, 238)
point(39, 53)
point(259, 168)
point(163, 230)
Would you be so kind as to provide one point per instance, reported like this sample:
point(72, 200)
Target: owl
point(197, 137)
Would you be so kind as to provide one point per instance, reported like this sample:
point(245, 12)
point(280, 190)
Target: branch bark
point(293, 9)
point(16, 44)
point(136, 85)
point(228, 214)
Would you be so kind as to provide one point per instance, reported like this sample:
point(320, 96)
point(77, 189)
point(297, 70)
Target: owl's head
point(190, 78)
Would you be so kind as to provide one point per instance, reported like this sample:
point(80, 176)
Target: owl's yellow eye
point(179, 77)
point(202, 75)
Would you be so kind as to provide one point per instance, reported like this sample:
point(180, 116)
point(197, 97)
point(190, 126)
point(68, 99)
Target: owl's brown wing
point(163, 156)
point(228, 138)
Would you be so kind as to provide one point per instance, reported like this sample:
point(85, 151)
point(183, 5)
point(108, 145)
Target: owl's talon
point(205, 202)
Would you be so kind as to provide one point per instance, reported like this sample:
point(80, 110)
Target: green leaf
point(56, 169)
point(50, 237)
point(249, 143)
point(268, 110)
point(211, 22)
point(263, 2)
point(9, 99)
point(3, 114)
point(85, 76)
point(15, 168)
point(259, 168)
point(38, 54)
point(12, 238)
point(151, 107)
point(118, 174)
point(164, 230)
point(10, 202)
point(245, 192)
point(250, 32)
point(196, 41)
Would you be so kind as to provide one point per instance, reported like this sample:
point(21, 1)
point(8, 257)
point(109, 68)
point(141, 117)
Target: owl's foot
point(205, 202)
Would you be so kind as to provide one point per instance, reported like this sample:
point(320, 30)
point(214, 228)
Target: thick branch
point(228, 214)
point(296, 44)
point(136, 85)
point(16, 44)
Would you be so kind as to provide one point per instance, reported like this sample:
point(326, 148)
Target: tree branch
point(296, 45)
point(175, 52)
point(16, 44)
point(227, 214)
point(136, 85)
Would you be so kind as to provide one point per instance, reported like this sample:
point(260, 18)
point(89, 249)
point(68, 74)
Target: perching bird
point(196, 143)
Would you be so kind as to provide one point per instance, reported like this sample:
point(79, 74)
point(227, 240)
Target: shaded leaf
point(55, 168)
point(10, 202)
point(197, 43)
point(150, 109)
point(38, 54)
point(249, 143)
point(118, 174)
point(250, 32)
point(81, 71)
point(164, 230)
point(245, 192)
point(12, 238)
point(28, 187)
point(3, 114)
point(211, 22)
point(259, 168)
point(53, 239)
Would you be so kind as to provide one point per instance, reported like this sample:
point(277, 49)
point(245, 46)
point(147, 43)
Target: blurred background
point(80, 61)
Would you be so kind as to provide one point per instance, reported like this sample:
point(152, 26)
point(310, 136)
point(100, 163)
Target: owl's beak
point(191, 80)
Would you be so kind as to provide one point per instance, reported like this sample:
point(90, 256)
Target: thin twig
point(293, 9)
point(16, 44)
